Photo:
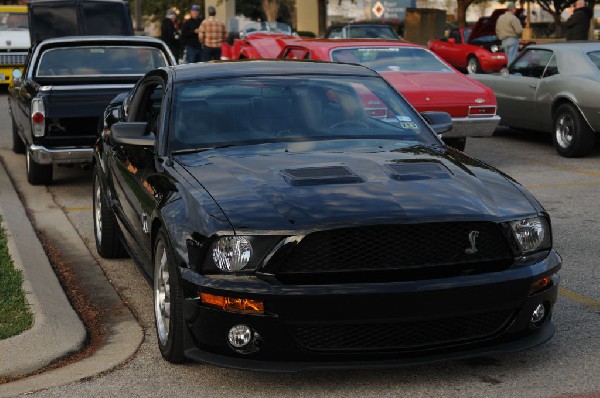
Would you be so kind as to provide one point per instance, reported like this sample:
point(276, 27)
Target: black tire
point(38, 174)
point(458, 142)
point(18, 146)
point(168, 301)
point(106, 230)
point(473, 65)
point(572, 136)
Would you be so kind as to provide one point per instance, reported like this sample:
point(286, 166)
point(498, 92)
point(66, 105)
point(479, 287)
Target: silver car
point(554, 88)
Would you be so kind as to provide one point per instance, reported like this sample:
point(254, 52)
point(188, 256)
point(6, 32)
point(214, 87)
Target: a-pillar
point(225, 11)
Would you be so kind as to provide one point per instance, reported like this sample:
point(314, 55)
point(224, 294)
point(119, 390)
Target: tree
point(556, 8)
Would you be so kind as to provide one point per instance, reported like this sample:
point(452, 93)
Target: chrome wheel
point(473, 65)
point(565, 128)
point(162, 293)
point(98, 211)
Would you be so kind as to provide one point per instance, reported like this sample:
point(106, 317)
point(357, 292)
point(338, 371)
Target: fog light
point(538, 314)
point(240, 336)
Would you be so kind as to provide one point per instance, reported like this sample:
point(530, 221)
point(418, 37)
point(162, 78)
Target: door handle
point(533, 86)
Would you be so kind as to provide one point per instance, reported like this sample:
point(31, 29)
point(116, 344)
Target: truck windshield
point(13, 21)
point(105, 60)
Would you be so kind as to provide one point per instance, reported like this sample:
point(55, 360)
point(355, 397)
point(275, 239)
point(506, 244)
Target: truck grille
point(416, 251)
point(12, 58)
point(402, 335)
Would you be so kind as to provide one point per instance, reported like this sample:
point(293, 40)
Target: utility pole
point(138, 17)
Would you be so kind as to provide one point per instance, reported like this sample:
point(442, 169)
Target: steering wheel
point(349, 123)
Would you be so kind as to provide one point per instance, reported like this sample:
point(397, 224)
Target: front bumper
point(493, 62)
point(348, 324)
point(62, 155)
point(473, 127)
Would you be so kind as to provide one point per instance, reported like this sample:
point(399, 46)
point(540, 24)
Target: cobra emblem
point(473, 241)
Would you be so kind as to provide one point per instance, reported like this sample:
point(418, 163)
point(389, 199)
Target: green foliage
point(15, 314)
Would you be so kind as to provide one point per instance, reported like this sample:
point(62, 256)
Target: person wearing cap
point(169, 32)
point(189, 34)
point(212, 34)
point(509, 29)
point(578, 24)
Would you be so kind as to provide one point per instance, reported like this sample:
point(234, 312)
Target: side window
point(532, 63)
point(146, 106)
point(296, 53)
point(455, 34)
point(335, 33)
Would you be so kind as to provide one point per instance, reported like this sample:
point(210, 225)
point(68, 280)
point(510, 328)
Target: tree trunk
point(271, 9)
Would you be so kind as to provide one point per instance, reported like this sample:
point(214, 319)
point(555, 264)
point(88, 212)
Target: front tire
point(572, 136)
point(106, 229)
point(473, 65)
point(168, 301)
point(18, 146)
point(38, 174)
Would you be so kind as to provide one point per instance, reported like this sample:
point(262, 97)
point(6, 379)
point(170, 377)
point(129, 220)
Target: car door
point(517, 95)
point(133, 197)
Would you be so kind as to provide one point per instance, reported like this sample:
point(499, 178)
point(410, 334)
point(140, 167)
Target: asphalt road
point(566, 366)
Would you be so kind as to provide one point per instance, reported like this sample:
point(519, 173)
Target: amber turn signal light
point(540, 284)
point(233, 304)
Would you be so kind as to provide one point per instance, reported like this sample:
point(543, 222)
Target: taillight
point(38, 117)
point(482, 110)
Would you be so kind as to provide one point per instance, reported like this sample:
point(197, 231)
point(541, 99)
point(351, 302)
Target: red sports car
point(474, 49)
point(426, 81)
point(259, 40)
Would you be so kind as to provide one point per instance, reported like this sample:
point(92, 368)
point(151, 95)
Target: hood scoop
point(320, 175)
point(416, 171)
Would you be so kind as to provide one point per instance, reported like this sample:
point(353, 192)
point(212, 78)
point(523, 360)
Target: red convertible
point(259, 40)
point(475, 49)
point(426, 81)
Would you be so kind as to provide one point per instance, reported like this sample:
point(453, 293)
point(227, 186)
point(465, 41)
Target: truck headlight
point(532, 234)
point(231, 253)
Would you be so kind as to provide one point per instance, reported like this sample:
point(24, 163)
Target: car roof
point(101, 39)
point(335, 43)
point(225, 69)
point(570, 45)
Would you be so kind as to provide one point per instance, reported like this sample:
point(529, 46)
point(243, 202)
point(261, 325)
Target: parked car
point(363, 30)
point(426, 81)
point(258, 40)
point(14, 42)
point(474, 49)
point(58, 103)
point(553, 88)
point(287, 227)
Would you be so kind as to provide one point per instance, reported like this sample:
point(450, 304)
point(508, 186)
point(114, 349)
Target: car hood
point(310, 185)
point(486, 26)
point(429, 89)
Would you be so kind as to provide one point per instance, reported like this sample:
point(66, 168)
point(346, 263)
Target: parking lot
point(567, 365)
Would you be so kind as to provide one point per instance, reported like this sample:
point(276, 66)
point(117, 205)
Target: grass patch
point(15, 314)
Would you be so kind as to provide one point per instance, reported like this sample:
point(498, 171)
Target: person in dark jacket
point(169, 33)
point(578, 24)
point(189, 34)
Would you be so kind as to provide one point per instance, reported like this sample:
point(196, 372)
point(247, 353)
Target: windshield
point(254, 110)
point(105, 60)
point(14, 21)
point(273, 27)
point(391, 59)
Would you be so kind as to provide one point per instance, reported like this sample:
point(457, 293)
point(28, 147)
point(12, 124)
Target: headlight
point(495, 48)
point(231, 253)
point(532, 234)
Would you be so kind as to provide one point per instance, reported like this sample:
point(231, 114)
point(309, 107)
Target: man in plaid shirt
point(212, 33)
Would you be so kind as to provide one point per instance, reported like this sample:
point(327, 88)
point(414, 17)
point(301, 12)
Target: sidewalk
point(57, 331)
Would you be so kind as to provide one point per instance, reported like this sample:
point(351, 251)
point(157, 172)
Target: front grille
point(12, 58)
point(401, 336)
point(419, 251)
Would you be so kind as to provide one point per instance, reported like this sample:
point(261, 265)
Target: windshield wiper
point(200, 149)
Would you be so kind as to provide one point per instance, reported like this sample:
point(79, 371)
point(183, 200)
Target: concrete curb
point(58, 330)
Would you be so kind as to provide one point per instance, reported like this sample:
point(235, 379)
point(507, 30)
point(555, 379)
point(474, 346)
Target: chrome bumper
point(43, 155)
point(473, 127)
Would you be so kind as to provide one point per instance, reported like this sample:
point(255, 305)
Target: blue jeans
point(511, 46)
point(193, 54)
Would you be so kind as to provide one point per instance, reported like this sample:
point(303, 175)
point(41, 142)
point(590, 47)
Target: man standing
point(509, 29)
point(189, 33)
point(578, 24)
point(169, 33)
point(212, 34)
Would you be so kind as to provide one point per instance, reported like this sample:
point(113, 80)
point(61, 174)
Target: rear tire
point(168, 301)
point(38, 174)
point(473, 65)
point(106, 230)
point(18, 146)
point(572, 136)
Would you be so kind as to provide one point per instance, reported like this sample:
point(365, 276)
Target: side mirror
point(31, 87)
point(132, 133)
point(440, 122)
point(504, 72)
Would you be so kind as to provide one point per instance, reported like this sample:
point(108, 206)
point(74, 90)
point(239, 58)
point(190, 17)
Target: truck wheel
point(473, 65)
point(18, 144)
point(38, 174)
point(106, 229)
point(572, 136)
point(168, 301)
point(458, 142)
